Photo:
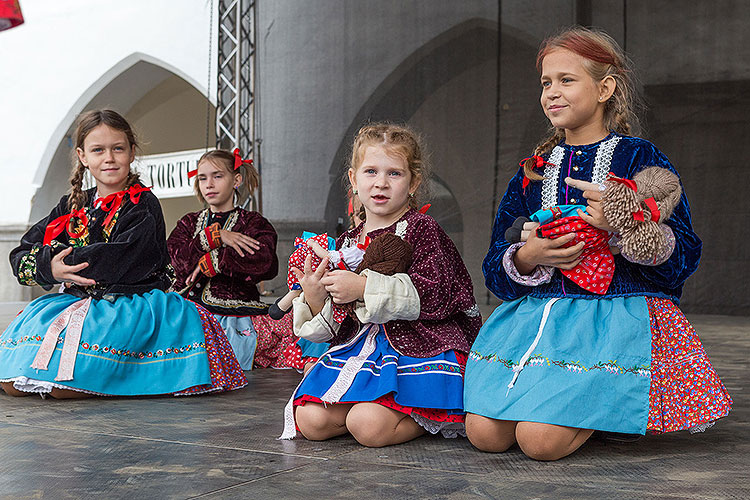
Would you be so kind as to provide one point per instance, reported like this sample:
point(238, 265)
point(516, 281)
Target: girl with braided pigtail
point(562, 357)
point(114, 330)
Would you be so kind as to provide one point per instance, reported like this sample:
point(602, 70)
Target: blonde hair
point(223, 158)
point(399, 140)
point(602, 57)
point(86, 123)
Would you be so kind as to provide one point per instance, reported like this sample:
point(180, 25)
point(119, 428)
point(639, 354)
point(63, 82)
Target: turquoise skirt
point(242, 337)
point(572, 362)
point(146, 344)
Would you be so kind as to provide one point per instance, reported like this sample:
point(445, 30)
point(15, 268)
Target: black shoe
point(617, 437)
point(275, 311)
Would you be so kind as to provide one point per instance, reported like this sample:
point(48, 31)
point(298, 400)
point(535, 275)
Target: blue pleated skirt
point(151, 343)
point(435, 382)
point(590, 367)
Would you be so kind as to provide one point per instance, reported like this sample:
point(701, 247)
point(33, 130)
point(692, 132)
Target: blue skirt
point(145, 344)
point(242, 337)
point(587, 364)
point(434, 382)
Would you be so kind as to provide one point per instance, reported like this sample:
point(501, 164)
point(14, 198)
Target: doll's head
point(387, 254)
point(635, 209)
point(399, 147)
point(105, 144)
point(217, 182)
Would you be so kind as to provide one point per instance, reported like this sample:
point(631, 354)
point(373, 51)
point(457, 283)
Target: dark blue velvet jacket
point(631, 155)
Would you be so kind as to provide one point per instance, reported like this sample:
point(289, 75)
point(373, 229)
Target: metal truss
point(235, 104)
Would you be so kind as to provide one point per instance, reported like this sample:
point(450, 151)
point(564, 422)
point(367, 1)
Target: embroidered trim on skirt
point(144, 344)
point(427, 389)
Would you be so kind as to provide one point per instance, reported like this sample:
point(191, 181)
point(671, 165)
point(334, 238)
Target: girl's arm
point(512, 206)
point(687, 250)
point(135, 250)
point(262, 264)
point(31, 261)
point(185, 250)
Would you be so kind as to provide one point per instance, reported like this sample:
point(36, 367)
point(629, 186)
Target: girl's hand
point(310, 281)
point(595, 215)
point(344, 286)
point(67, 274)
point(317, 249)
point(547, 252)
point(593, 194)
point(239, 242)
point(193, 276)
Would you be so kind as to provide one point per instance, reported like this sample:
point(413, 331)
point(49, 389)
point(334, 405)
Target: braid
point(77, 198)
point(133, 179)
point(543, 147)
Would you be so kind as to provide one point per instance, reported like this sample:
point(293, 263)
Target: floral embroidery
point(27, 268)
point(12, 343)
point(609, 366)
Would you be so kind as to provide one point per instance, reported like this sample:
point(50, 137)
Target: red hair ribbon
point(627, 182)
point(425, 208)
point(653, 208)
point(192, 173)
point(62, 223)
point(539, 162)
point(238, 160)
point(112, 202)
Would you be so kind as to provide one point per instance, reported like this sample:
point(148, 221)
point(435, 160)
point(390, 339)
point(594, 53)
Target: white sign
point(166, 174)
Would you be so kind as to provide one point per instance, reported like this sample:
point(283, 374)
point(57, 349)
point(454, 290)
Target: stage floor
point(224, 446)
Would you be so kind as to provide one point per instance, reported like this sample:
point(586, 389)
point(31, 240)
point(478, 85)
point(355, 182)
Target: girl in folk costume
point(395, 371)
point(557, 361)
point(221, 253)
point(114, 330)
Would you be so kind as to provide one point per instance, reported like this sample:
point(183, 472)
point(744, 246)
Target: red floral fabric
point(685, 390)
point(594, 272)
point(274, 338)
point(226, 374)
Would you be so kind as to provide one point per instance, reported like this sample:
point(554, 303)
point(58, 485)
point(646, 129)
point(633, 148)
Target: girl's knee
point(68, 394)
point(547, 442)
point(367, 425)
point(316, 423)
point(488, 434)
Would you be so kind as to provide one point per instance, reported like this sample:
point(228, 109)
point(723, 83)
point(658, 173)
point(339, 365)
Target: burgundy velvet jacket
point(229, 287)
point(449, 317)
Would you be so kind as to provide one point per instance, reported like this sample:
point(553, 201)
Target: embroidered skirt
point(242, 337)
point(152, 343)
point(369, 369)
point(598, 364)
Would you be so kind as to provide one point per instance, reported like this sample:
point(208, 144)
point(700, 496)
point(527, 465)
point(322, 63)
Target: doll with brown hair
point(557, 361)
point(421, 321)
point(124, 334)
point(222, 252)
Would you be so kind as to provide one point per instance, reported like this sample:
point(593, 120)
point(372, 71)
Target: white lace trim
point(602, 162)
point(42, 387)
point(702, 427)
point(401, 229)
point(603, 159)
point(551, 177)
point(447, 429)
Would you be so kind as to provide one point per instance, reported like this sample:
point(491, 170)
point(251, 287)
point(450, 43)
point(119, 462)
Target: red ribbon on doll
point(62, 223)
point(653, 208)
point(112, 202)
point(627, 182)
point(539, 162)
